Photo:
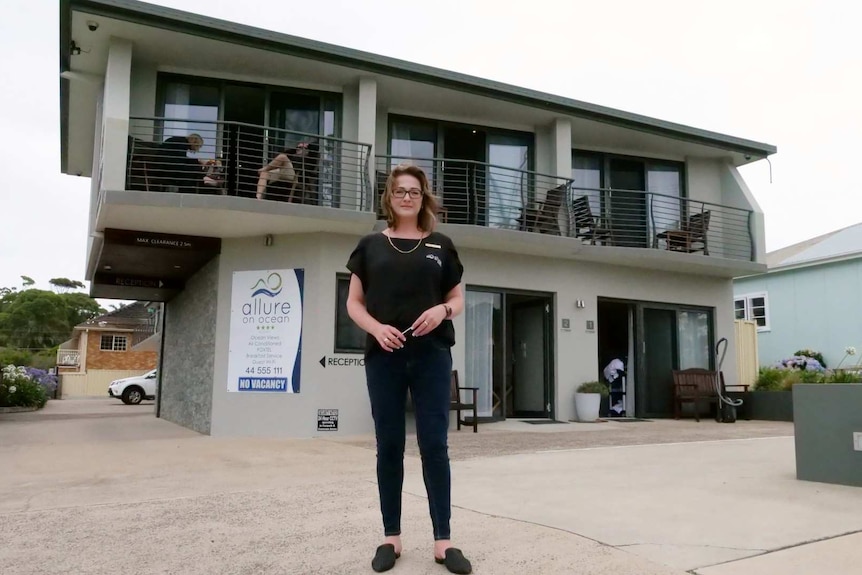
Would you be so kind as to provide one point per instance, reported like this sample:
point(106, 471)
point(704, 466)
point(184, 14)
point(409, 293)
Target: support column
point(367, 121)
point(115, 115)
point(561, 147)
point(367, 130)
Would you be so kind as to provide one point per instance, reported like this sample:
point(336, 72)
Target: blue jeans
point(424, 366)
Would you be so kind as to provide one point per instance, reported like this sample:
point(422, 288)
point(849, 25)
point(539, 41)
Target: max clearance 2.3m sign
point(265, 345)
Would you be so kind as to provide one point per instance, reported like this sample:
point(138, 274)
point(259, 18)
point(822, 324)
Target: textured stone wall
point(187, 370)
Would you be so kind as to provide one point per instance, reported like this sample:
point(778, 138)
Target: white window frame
point(115, 339)
point(749, 315)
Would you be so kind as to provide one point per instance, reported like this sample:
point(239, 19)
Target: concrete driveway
point(94, 486)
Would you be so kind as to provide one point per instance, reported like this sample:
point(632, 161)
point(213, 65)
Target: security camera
point(92, 25)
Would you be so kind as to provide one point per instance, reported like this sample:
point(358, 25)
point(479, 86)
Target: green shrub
point(811, 377)
point(593, 387)
point(791, 378)
point(844, 377)
point(813, 354)
point(12, 356)
point(770, 379)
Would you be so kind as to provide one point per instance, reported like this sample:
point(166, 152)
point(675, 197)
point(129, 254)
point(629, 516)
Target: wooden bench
point(693, 385)
point(456, 404)
point(696, 385)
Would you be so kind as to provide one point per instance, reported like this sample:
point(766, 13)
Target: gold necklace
point(411, 250)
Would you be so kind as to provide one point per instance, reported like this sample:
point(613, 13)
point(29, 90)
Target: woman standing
point(405, 288)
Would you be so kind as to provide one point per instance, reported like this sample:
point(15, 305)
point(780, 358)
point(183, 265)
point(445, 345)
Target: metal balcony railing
point(245, 160)
point(489, 195)
point(477, 193)
point(638, 219)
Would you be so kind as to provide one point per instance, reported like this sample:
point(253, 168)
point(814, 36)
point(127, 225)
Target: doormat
point(628, 419)
point(541, 421)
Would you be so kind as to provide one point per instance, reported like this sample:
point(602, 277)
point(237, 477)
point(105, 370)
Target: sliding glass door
point(413, 141)
point(483, 319)
point(192, 108)
point(638, 197)
point(669, 337)
point(509, 185)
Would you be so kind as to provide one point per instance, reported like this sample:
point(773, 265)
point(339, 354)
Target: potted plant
point(588, 398)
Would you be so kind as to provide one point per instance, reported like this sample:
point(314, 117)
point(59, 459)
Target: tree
point(81, 307)
point(28, 281)
point(63, 285)
point(40, 319)
point(35, 319)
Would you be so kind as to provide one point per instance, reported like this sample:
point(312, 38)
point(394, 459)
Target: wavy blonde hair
point(428, 211)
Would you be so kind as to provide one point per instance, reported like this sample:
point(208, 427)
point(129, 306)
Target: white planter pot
point(587, 406)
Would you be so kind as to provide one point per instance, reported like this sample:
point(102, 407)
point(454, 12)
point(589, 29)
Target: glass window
point(664, 182)
point(758, 310)
point(587, 176)
point(753, 307)
point(508, 184)
point(349, 337)
point(415, 142)
point(192, 109)
point(293, 113)
point(739, 309)
point(113, 343)
point(694, 346)
point(483, 319)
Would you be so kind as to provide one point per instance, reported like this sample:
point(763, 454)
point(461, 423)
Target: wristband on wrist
point(448, 311)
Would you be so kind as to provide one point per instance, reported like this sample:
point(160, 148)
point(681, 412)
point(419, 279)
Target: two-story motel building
point(586, 233)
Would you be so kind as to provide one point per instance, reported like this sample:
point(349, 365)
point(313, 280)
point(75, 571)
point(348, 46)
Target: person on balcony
point(405, 288)
point(178, 169)
point(294, 171)
point(280, 169)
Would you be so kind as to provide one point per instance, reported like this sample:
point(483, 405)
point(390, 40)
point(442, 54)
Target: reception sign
point(265, 331)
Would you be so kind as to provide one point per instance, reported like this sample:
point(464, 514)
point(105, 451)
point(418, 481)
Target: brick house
point(121, 343)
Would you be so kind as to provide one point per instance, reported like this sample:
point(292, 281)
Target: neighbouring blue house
point(809, 298)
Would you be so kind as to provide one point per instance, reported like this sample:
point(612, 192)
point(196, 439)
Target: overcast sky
point(784, 72)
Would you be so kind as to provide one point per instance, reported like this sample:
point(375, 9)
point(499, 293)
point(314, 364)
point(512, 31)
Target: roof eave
point(188, 23)
point(817, 262)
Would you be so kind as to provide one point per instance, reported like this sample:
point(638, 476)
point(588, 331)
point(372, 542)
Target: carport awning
point(149, 266)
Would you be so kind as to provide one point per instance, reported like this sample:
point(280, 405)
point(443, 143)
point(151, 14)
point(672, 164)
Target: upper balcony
point(214, 166)
point(608, 225)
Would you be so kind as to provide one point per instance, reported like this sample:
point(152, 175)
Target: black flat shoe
point(455, 562)
point(384, 558)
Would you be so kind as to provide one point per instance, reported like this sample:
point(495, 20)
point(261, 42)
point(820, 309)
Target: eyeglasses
point(399, 193)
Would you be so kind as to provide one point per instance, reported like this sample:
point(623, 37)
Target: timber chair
point(588, 227)
point(457, 404)
point(544, 218)
point(141, 158)
point(691, 237)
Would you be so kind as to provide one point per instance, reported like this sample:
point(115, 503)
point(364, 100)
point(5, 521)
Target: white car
point(133, 390)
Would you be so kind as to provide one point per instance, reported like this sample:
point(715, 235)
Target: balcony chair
point(544, 218)
point(691, 237)
point(588, 227)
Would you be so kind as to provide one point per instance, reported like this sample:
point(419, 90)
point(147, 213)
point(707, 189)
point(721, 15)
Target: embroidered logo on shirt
point(433, 246)
point(435, 258)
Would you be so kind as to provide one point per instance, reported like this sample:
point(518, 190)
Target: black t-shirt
point(399, 287)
